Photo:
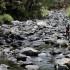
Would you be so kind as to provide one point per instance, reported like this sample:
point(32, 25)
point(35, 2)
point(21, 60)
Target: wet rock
point(29, 51)
point(51, 41)
point(25, 63)
point(55, 51)
point(18, 37)
point(21, 57)
point(8, 40)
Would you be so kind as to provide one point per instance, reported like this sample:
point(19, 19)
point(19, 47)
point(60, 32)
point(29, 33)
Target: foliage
point(44, 11)
point(21, 9)
point(48, 3)
point(5, 18)
point(1, 19)
point(68, 11)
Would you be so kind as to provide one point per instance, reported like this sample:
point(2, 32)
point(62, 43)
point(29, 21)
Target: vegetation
point(68, 11)
point(5, 18)
point(29, 9)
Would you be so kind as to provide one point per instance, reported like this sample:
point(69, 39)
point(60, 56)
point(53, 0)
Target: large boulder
point(29, 51)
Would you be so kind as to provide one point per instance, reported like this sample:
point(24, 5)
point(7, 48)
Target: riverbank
point(36, 42)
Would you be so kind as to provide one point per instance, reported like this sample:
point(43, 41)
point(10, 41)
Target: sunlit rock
point(32, 67)
point(15, 22)
point(3, 67)
point(41, 23)
point(42, 55)
point(14, 30)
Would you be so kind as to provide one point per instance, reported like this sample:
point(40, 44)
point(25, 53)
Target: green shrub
point(68, 11)
point(7, 18)
point(44, 11)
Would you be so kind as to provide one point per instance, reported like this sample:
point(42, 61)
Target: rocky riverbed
point(36, 44)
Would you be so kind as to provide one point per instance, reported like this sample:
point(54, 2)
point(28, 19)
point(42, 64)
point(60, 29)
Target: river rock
point(29, 51)
point(60, 56)
point(55, 51)
point(62, 64)
point(42, 55)
point(32, 67)
point(15, 22)
point(67, 56)
point(37, 43)
point(4, 67)
point(41, 23)
point(62, 42)
point(21, 57)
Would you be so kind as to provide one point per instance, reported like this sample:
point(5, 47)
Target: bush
point(44, 11)
point(6, 18)
point(68, 11)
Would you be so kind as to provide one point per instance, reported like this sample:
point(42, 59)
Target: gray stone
point(29, 51)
